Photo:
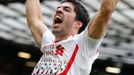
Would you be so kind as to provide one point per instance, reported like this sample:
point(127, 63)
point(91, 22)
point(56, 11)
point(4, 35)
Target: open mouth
point(58, 20)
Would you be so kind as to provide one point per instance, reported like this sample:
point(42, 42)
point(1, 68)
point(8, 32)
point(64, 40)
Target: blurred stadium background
point(19, 54)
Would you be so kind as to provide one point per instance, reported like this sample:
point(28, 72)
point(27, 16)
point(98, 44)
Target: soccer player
point(72, 46)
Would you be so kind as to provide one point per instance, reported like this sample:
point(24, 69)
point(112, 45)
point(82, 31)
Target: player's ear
point(78, 24)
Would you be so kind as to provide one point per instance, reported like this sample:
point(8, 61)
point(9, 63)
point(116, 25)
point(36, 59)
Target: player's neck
point(60, 38)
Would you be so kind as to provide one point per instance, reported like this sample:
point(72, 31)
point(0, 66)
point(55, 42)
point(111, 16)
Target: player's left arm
point(98, 25)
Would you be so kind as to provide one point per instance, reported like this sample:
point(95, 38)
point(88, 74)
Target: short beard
point(59, 33)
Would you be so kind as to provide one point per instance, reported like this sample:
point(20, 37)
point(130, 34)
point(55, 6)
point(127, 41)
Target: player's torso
point(57, 58)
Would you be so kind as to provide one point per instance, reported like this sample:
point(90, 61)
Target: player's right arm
point(35, 20)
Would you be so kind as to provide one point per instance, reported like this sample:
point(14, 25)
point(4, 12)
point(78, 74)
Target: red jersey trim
point(70, 61)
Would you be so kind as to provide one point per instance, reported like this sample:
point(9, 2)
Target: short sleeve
point(88, 46)
point(48, 37)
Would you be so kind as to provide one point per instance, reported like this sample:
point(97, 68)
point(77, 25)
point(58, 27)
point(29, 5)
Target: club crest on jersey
point(49, 50)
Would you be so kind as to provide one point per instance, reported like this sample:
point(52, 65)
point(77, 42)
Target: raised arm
point(97, 26)
point(35, 20)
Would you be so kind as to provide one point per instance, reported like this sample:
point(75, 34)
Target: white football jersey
point(73, 56)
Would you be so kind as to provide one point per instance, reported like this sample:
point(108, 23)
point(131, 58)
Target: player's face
point(64, 19)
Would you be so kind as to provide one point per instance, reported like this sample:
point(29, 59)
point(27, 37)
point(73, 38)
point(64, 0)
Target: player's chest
point(59, 50)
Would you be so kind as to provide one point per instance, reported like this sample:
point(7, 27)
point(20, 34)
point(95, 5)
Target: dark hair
point(81, 13)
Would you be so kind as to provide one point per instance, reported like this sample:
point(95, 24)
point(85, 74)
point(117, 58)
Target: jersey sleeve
point(47, 37)
point(88, 46)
